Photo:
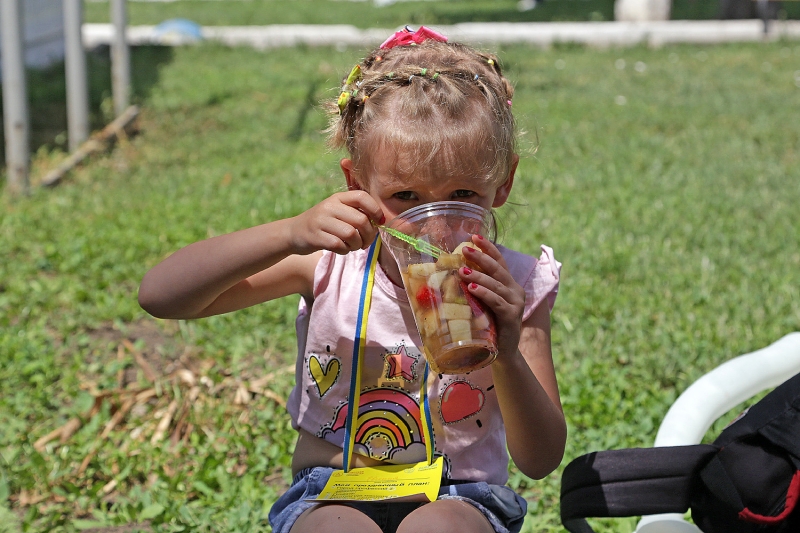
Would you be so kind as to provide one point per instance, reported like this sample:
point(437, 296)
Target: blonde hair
point(429, 101)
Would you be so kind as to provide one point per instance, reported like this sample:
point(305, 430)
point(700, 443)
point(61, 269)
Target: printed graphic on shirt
point(401, 364)
point(388, 428)
point(324, 375)
point(460, 401)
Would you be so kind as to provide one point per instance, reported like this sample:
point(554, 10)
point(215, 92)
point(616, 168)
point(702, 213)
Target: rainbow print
point(388, 425)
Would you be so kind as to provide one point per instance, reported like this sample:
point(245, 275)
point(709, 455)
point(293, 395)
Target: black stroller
point(746, 481)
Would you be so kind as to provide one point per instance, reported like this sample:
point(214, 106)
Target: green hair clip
point(345, 95)
point(354, 75)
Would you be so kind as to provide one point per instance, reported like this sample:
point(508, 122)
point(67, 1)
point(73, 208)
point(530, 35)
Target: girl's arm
point(523, 373)
point(257, 264)
point(536, 431)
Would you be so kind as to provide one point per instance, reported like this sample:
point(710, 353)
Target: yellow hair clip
point(342, 101)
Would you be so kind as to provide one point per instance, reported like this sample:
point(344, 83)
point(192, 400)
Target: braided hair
point(435, 101)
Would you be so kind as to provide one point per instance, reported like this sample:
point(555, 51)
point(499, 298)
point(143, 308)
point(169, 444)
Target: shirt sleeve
point(543, 282)
point(538, 277)
point(322, 273)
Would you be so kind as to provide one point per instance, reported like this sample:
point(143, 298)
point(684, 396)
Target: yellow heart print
point(324, 378)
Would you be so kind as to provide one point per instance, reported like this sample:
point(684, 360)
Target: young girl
point(423, 120)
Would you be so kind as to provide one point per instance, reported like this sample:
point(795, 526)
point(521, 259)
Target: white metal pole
point(15, 97)
point(75, 64)
point(120, 58)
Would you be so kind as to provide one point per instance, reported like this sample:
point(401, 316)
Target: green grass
point(365, 14)
point(668, 189)
point(360, 14)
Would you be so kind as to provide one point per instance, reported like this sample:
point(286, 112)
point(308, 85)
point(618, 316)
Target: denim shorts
point(504, 508)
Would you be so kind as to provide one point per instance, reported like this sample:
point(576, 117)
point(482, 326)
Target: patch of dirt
point(155, 347)
point(162, 394)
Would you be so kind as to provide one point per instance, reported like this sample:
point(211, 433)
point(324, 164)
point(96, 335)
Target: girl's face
point(396, 192)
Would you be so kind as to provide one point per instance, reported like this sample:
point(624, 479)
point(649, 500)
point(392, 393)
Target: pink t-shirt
point(467, 425)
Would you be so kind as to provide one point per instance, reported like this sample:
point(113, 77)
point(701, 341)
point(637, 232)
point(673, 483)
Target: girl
point(423, 120)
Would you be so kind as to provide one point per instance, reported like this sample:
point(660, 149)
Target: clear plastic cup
point(458, 331)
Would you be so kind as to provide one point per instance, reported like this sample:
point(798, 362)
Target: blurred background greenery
point(665, 179)
point(366, 13)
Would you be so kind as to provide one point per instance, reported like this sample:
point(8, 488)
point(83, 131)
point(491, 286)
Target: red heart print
point(459, 401)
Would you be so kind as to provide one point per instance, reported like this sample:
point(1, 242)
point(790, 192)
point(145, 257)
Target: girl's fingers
point(493, 300)
point(358, 220)
point(491, 281)
point(489, 248)
point(345, 220)
point(497, 289)
point(360, 211)
point(489, 262)
point(362, 201)
point(352, 235)
point(500, 297)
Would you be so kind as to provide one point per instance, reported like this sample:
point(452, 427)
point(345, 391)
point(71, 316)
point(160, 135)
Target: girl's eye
point(405, 195)
point(463, 193)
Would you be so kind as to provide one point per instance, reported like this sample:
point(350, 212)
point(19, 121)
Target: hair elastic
point(344, 97)
point(354, 75)
point(407, 36)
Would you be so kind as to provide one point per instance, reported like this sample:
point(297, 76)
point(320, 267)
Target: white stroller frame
point(713, 395)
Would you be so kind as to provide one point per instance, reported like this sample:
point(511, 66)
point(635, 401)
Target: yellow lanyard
point(359, 346)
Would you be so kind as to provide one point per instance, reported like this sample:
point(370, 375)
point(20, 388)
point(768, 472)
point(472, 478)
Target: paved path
point(535, 33)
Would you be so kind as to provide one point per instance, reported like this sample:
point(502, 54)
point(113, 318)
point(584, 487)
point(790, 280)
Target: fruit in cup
point(426, 296)
point(457, 333)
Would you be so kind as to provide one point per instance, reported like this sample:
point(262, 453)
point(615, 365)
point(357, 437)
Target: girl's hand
point(495, 287)
point(341, 223)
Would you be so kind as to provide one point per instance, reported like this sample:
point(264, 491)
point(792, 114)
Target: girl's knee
point(334, 519)
point(446, 516)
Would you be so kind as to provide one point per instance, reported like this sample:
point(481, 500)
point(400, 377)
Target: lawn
point(366, 13)
point(665, 179)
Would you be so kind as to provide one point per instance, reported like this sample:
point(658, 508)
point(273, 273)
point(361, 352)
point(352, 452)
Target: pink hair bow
point(406, 36)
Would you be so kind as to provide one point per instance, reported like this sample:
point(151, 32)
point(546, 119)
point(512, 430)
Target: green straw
point(420, 245)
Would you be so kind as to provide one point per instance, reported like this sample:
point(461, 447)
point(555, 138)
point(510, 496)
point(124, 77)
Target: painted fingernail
point(473, 286)
point(467, 271)
point(469, 249)
point(383, 220)
point(480, 237)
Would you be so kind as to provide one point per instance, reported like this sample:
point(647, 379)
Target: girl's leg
point(333, 518)
point(445, 516)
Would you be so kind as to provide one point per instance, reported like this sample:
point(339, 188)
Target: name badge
point(395, 483)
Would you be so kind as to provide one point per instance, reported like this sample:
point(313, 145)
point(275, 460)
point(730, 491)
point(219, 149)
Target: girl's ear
point(349, 175)
point(502, 192)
